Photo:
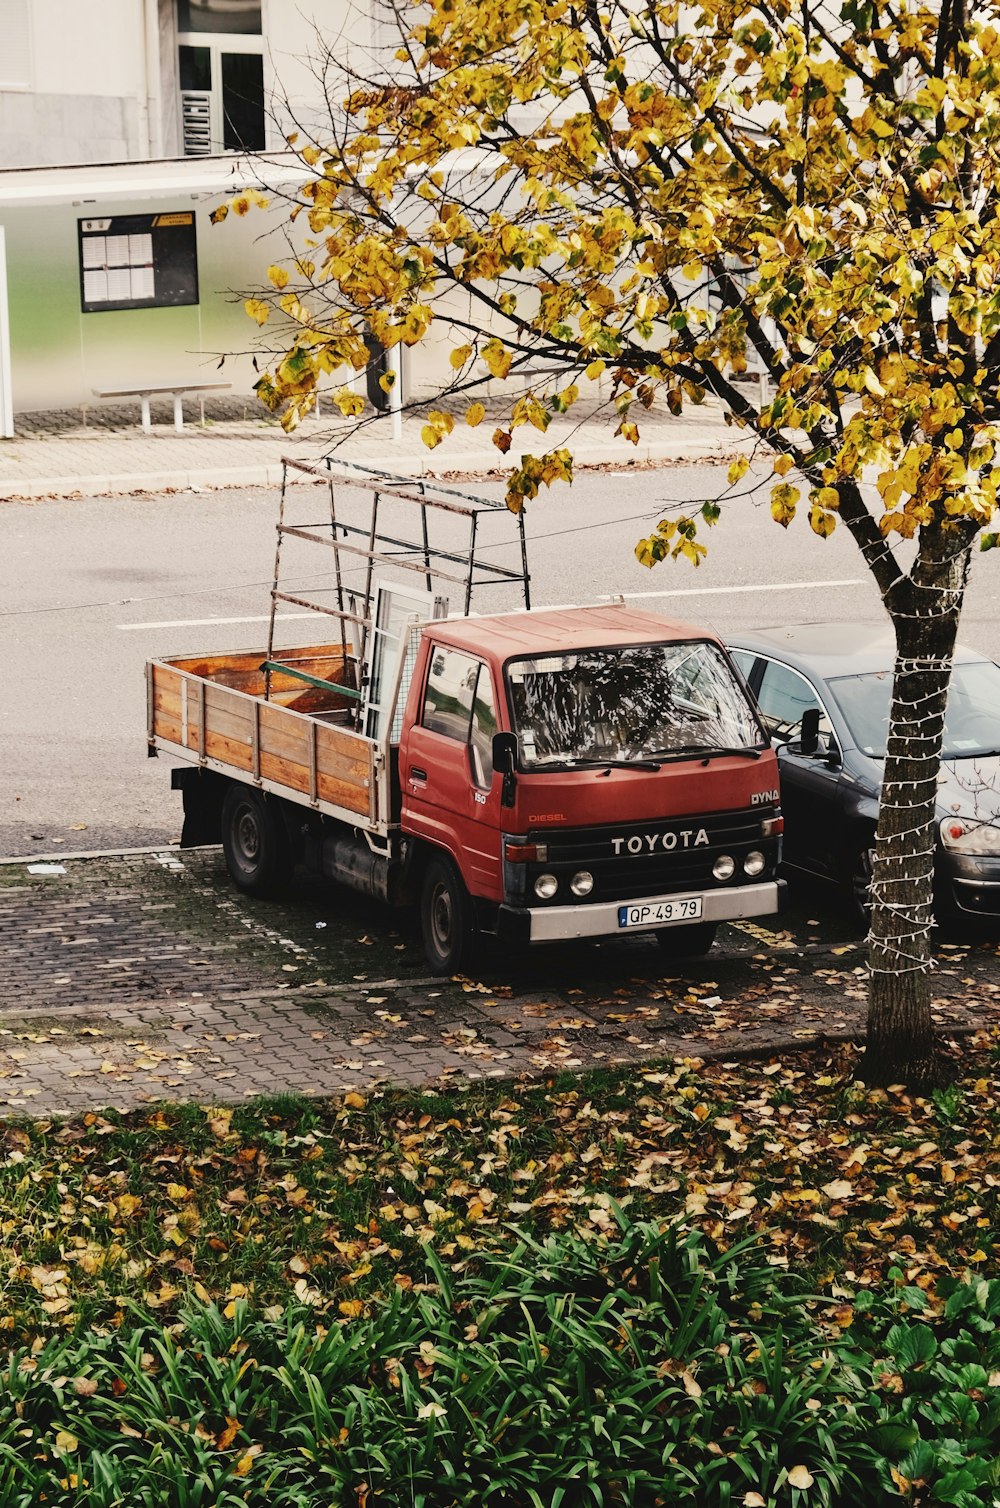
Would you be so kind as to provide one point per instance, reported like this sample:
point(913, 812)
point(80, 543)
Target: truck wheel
point(445, 918)
point(687, 942)
point(253, 840)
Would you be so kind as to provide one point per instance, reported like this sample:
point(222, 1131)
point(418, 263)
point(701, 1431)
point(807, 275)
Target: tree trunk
point(925, 608)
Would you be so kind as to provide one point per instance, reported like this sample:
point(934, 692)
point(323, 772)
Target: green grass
point(650, 1368)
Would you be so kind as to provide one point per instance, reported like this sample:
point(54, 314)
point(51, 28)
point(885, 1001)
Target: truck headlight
point(582, 882)
point(724, 867)
point(754, 863)
point(966, 835)
point(546, 886)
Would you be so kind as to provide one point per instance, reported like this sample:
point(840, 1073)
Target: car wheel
point(445, 918)
point(253, 840)
point(686, 942)
point(861, 885)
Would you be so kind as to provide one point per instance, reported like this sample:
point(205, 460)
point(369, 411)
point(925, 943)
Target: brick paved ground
point(128, 980)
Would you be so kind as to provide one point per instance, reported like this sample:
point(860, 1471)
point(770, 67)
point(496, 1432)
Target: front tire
point(253, 841)
point(687, 942)
point(445, 918)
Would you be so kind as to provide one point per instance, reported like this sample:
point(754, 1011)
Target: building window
point(15, 45)
point(222, 76)
point(138, 262)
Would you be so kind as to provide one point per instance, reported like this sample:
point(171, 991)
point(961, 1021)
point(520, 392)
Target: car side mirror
point(809, 732)
point(505, 760)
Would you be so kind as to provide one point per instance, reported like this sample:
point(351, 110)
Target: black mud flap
point(203, 792)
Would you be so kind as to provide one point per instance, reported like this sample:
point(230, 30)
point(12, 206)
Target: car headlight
point(966, 835)
point(546, 886)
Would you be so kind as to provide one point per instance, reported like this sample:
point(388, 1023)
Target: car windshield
point(971, 726)
point(628, 704)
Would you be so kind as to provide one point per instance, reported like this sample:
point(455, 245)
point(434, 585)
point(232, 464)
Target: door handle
point(416, 774)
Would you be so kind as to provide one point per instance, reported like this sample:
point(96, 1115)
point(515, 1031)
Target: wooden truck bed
point(211, 709)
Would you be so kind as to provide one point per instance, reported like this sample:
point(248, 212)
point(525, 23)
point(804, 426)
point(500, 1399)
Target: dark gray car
point(829, 796)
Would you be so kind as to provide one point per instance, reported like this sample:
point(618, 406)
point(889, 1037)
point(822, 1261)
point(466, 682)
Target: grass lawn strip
point(827, 1224)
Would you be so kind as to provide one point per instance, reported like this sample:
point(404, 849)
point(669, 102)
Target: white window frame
point(218, 42)
point(16, 24)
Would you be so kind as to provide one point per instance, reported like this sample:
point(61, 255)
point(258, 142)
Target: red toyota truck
point(535, 774)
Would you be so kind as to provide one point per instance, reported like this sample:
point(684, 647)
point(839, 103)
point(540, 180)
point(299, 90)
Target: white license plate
point(678, 908)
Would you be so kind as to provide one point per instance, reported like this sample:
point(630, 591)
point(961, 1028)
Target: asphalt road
point(93, 587)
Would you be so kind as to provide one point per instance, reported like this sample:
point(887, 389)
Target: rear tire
point(687, 942)
point(861, 885)
point(253, 841)
point(445, 918)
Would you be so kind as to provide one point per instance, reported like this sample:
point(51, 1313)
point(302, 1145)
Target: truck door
point(449, 794)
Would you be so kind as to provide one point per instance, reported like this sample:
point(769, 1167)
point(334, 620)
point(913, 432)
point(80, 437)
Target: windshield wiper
point(707, 751)
point(615, 764)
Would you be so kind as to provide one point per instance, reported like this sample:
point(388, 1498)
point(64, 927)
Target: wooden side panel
point(293, 750)
point(344, 770)
point(284, 748)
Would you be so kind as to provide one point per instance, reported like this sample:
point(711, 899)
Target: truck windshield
point(628, 704)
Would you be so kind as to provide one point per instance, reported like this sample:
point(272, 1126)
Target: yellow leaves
point(838, 1188)
point(737, 469)
point(278, 276)
point(497, 357)
point(475, 414)
point(245, 1462)
point(800, 1476)
point(821, 522)
point(783, 465)
point(460, 356)
point(594, 369)
point(66, 1444)
point(350, 404)
point(258, 310)
point(311, 155)
point(784, 498)
point(228, 1433)
point(439, 425)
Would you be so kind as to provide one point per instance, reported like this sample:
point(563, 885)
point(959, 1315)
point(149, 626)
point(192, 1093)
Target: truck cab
point(583, 772)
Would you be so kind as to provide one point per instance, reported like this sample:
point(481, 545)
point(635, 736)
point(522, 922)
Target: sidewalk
point(148, 977)
point(58, 456)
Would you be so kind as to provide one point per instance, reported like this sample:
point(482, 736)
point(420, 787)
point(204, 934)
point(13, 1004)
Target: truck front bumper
point(558, 923)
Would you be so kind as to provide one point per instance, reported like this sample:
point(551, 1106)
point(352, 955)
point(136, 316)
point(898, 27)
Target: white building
point(123, 123)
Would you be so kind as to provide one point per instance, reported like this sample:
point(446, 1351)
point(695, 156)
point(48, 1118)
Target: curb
point(422, 463)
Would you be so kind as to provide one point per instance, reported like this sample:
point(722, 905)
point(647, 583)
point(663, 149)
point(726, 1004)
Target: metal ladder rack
point(357, 542)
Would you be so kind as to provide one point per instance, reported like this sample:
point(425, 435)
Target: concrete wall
point(82, 83)
point(77, 93)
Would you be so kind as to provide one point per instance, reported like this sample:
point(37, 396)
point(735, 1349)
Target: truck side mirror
point(505, 760)
point(809, 733)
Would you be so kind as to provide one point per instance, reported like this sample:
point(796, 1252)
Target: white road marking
point(207, 622)
point(767, 586)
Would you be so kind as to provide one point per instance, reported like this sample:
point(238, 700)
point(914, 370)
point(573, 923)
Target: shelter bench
point(174, 390)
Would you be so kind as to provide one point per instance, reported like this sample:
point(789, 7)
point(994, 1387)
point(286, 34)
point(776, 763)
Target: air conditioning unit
point(196, 117)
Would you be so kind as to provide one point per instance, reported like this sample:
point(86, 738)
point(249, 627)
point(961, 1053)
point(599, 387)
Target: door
point(393, 608)
point(450, 795)
point(810, 783)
